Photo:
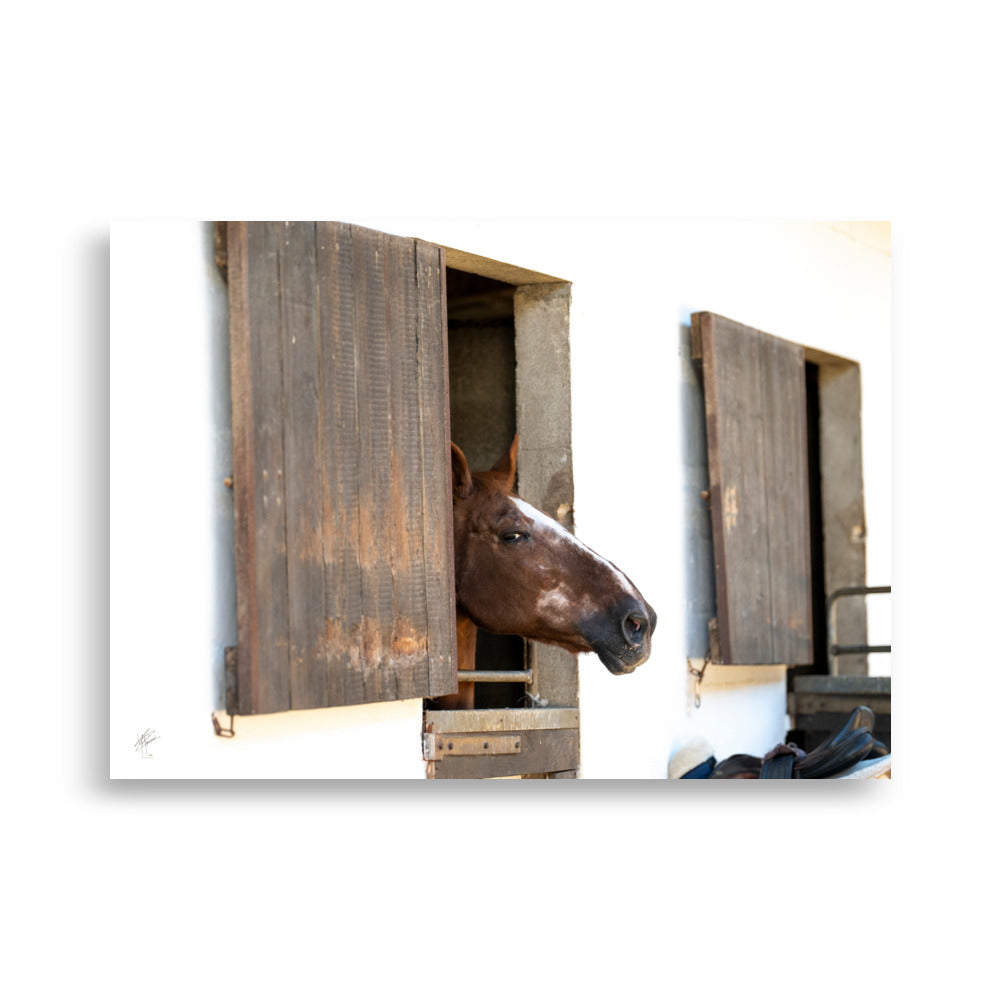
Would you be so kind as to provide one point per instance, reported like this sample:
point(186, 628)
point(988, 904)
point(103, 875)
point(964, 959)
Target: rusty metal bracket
point(699, 676)
point(220, 731)
point(439, 745)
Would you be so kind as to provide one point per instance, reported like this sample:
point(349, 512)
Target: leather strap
point(780, 762)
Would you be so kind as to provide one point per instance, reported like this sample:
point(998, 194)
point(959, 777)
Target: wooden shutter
point(341, 467)
point(755, 408)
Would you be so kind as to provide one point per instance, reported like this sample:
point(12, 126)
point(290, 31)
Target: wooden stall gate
point(498, 743)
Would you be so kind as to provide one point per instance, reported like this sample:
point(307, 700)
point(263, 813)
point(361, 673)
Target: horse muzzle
point(627, 643)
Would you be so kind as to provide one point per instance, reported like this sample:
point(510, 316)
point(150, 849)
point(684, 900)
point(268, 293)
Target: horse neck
point(466, 642)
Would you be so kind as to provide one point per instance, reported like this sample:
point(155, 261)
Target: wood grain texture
point(341, 469)
point(756, 429)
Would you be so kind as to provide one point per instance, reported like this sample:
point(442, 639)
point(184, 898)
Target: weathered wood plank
point(843, 500)
point(408, 641)
point(374, 419)
point(241, 391)
point(496, 720)
point(545, 467)
point(735, 467)
point(339, 347)
point(787, 500)
point(843, 685)
point(435, 442)
point(809, 703)
point(271, 690)
point(303, 464)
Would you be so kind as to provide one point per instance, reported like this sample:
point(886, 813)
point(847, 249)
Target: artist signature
point(143, 740)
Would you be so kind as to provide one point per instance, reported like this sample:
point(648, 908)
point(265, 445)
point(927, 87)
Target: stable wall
point(634, 287)
point(173, 596)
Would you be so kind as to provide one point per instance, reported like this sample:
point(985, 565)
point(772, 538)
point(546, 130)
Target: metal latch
point(439, 745)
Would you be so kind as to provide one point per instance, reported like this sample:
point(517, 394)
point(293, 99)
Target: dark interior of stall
point(481, 366)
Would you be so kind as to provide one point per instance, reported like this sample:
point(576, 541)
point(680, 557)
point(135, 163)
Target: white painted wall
point(635, 284)
point(172, 586)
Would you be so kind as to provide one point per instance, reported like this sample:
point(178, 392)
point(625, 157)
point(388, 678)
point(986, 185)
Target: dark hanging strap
point(780, 762)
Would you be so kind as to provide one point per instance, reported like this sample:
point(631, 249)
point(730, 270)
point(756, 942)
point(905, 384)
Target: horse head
point(520, 572)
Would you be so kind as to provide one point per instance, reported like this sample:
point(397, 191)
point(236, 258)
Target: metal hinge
point(220, 238)
point(439, 745)
point(714, 645)
point(232, 680)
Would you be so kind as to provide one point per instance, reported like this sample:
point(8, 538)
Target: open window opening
point(508, 358)
point(482, 388)
point(822, 692)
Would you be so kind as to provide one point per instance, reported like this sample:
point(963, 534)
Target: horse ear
point(506, 466)
point(461, 478)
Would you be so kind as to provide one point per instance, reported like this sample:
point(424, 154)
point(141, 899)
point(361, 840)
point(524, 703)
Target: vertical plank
point(787, 499)
point(843, 503)
point(271, 693)
point(435, 443)
point(303, 453)
point(736, 475)
point(545, 465)
point(745, 491)
point(241, 389)
point(341, 500)
point(374, 420)
point(408, 640)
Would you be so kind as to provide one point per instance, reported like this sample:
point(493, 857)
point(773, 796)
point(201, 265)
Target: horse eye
point(512, 537)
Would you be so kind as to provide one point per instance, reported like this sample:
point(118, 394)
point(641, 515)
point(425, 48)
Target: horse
point(519, 572)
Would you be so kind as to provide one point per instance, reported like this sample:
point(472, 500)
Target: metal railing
point(495, 676)
point(834, 648)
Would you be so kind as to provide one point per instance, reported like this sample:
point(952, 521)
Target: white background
point(635, 283)
point(532, 111)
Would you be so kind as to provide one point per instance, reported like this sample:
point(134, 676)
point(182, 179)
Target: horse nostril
point(634, 626)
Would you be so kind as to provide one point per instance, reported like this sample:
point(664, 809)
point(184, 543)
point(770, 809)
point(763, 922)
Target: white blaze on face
point(560, 599)
point(560, 602)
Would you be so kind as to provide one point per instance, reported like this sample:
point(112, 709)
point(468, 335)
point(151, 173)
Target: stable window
point(508, 350)
point(353, 356)
point(785, 493)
